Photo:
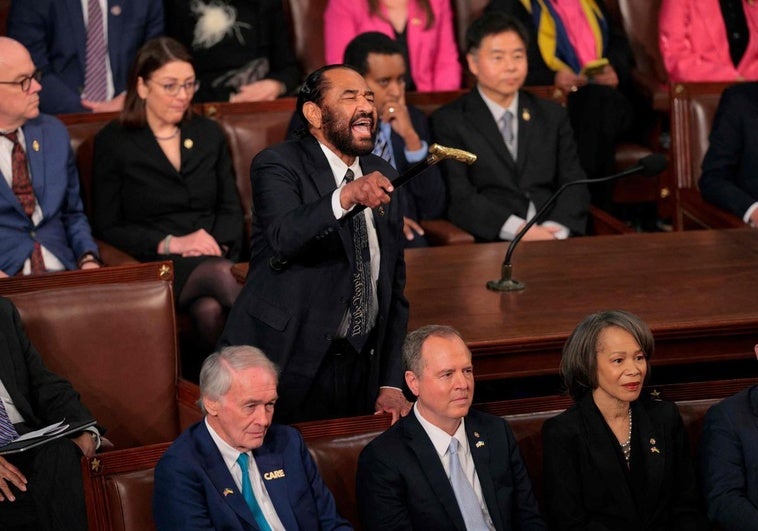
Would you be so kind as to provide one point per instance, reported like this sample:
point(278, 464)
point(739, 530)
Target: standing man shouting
point(324, 295)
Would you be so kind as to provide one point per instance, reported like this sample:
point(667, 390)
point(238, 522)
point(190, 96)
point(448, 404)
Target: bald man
point(42, 223)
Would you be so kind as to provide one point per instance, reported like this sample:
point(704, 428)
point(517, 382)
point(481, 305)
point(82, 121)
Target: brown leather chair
point(250, 128)
point(112, 333)
point(693, 106)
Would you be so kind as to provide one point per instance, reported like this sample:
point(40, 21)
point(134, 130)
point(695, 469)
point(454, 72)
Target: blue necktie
point(472, 512)
point(382, 147)
point(247, 493)
point(8, 432)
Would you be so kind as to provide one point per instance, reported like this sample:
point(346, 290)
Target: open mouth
point(363, 125)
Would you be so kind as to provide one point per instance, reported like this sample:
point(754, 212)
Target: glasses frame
point(190, 87)
point(26, 81)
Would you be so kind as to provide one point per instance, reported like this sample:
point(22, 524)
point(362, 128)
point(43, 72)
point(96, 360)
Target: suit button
point(33, 234)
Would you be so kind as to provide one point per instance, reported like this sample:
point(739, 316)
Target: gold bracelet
point(166, 242)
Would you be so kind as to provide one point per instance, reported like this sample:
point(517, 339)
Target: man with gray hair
point(444, 466)
point(235, 469)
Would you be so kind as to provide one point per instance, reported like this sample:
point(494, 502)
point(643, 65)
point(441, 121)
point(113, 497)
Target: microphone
point(435, 154)
point(648, 166)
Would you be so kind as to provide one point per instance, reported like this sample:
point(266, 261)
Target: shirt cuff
point(337, 209)
point(749, 213)
point(563, 231)
point(419, 154)
point(510, 228)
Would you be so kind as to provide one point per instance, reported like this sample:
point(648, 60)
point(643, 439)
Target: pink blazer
point(692, 36)
point(432, 52)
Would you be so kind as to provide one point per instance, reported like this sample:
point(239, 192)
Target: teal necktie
point(247, 493)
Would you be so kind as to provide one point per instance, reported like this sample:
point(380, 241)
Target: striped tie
point(95, 75)
point(7, 432)
point(382, 147)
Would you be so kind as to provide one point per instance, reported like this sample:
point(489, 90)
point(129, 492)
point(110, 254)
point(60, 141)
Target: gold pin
point(476, 434)
point(116, 10)
point(525, 115)
point(479, 444)
point(380, 210)
point(35, 145)
point(188, 143)
point(654, 450)
point(227, 492)
point(652, 441)
point(416, 21)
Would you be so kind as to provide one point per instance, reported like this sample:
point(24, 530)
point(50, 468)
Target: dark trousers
point(339, 389)
point(54, 499)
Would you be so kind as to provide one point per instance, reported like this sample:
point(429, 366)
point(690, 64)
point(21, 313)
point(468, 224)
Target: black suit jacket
point(139, 197)
point(586, 484)
point(730, 166)
point(482, 196)
point(401, 483)
point(292, 312)
point(40, 396)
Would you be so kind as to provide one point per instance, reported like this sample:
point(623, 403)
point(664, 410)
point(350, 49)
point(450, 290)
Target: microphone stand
point(650, 165)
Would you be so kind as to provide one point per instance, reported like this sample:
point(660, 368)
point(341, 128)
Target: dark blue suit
point(292, 311)
point(54, 33)
point(729, 461)
point(730, 166)
point(401, 483)
point(64, 229)
point(195, 490)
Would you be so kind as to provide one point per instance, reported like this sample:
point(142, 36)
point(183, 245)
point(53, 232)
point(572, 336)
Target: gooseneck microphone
point(648, 166)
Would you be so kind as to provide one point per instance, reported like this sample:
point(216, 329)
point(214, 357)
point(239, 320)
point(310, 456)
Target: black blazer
point(730, 166)
point(401, 483)
point(587, 486)
point(139, 197)
point(292, 310)
point(482, 196)
point(41, 396)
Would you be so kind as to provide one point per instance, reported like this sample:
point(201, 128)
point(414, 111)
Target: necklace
point(169, 137)
point(626, 446)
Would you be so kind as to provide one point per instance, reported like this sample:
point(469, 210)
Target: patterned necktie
point(382, 147)
point(360, 303)
point(22, 188)
point(471, 511)
point(95, 75)
point(7, 432)
point(247, 493)
point(506, 129)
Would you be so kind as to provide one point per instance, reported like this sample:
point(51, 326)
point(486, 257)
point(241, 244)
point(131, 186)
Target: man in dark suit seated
point(524, 144)
point(40, 488)
point(84, 49)
point(42, 221)
point(236, 470)
point(324, 293)
point(729, 461)
point(444, 466)
point(730, 166)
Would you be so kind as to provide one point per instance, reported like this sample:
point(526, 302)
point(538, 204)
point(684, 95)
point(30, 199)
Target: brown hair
point(414, 343)
point(153, 55)
point(578, 366)
point(375, 11)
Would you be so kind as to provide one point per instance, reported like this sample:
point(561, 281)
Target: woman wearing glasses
point(163, 185)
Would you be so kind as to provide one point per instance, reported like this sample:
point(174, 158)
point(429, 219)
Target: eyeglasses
point(172, 89)
point(26, 81)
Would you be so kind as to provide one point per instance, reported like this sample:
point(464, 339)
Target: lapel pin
point(188, 143)
point(380, 210)
point(654, 450)
point(416, 21)
point(476, 434)
point(35, 145)
point(652, 441)
point(525, 115)
point(227, 492)
point(479, 444)
point(274, 474)
point(116, 10)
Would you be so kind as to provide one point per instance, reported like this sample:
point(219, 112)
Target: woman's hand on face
point(198, 243)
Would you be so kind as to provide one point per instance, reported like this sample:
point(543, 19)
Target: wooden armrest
point(601, 222)
point(239, 271)
point(442, 232)
point(696, 213)
point(111, 256)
